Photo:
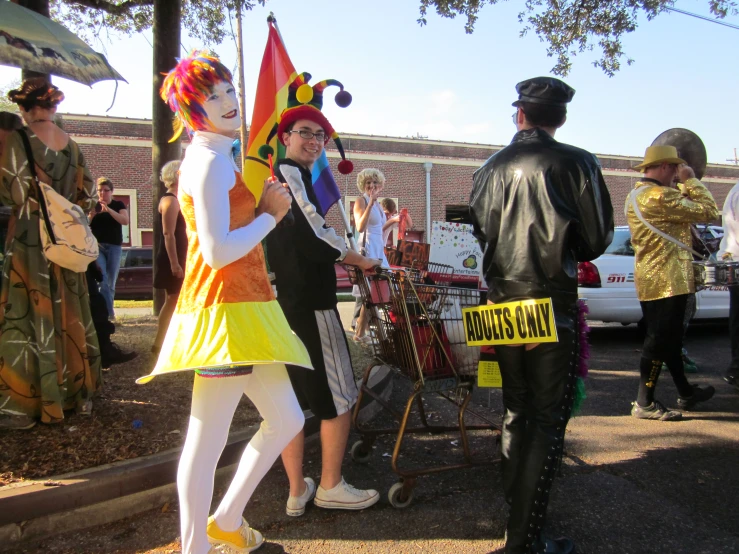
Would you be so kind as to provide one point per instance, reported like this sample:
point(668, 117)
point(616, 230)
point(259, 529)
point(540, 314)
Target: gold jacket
point(663, 269)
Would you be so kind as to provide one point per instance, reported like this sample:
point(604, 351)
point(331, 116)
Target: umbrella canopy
point(36, 43)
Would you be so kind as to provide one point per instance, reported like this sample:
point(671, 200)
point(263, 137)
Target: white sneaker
point(345, 497)
point(296, 504)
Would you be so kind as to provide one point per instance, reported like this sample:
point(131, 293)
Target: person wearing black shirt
point(107, 221)
point(302, 256)
point(110, 352)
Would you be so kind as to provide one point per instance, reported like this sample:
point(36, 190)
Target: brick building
point(120, 149)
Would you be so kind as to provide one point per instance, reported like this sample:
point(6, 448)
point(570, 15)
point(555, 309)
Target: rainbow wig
point(188, 86)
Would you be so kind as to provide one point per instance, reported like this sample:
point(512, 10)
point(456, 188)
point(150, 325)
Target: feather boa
point(583, 356)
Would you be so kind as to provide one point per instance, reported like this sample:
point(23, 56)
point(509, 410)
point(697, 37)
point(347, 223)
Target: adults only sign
point(520, 322)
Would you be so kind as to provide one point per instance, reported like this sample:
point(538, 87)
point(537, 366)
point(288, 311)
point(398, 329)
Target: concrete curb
point(39, 509)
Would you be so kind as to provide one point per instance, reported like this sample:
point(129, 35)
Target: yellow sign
point(520, 322)
point(488, 375)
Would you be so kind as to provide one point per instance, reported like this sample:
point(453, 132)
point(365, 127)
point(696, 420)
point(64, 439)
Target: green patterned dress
point(49, 353)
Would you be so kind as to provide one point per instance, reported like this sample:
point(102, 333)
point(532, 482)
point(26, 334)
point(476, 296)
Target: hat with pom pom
point(305, 102)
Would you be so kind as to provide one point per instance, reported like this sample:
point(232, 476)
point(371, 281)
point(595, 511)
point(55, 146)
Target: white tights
point(214, 402)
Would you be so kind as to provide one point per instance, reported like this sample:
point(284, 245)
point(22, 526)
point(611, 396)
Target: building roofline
point(359, 136)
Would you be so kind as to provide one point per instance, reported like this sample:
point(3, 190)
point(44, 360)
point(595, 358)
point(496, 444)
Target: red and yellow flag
point(275, 76)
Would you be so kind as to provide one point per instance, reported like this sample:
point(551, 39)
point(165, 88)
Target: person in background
point(729, 251)
point(394, 220)
point(172, 251)
point(110, 352)
point(663, 273)
point(48, 347)
point(370, 219)
point(107, 221)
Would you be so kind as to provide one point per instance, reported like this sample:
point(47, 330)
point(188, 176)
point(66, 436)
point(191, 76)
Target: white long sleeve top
point(730, 221)
point(207, 174)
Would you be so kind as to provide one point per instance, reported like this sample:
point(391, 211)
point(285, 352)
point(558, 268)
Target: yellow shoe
point(244, 539)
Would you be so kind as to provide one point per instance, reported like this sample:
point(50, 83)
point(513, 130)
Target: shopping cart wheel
point(396, 496)
point(360, 452)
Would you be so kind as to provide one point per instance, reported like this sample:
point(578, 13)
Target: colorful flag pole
point(276, 74)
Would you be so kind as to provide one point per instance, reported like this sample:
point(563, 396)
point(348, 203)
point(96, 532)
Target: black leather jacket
point(538, 207)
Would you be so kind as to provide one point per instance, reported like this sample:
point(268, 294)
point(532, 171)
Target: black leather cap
point(544, 90)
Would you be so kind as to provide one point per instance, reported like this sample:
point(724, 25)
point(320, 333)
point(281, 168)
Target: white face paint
point(222, 109)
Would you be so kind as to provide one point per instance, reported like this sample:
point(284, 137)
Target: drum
point(710, 274)
point(732, 273)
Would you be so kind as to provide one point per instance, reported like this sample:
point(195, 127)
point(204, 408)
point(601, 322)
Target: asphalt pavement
point(627, 486)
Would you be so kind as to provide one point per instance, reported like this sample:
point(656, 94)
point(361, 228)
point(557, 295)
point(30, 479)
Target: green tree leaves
point(203, 19)
point(570, 27)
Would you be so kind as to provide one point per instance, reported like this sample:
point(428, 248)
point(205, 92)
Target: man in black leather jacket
point(538, 208)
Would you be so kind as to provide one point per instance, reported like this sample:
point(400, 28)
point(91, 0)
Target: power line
point(704, 18)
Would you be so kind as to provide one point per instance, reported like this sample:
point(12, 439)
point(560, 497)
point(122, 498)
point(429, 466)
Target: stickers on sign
point(488, 375)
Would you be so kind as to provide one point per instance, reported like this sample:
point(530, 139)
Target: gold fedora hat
point(656, 155)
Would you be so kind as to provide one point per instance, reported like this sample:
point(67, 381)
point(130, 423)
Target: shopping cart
point(418, 331)
point(430, 273)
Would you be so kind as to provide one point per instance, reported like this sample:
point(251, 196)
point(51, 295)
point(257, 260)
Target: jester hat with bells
point(305, 102)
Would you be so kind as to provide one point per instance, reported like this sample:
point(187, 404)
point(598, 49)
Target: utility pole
point(166, 31)
point(734, 159)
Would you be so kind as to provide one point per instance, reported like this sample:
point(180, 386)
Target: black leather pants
point(538, 391)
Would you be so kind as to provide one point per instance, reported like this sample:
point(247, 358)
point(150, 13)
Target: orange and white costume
point(230, 330)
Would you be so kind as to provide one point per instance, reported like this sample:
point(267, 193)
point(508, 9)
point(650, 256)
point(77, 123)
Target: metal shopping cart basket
point(418, 331)
point(430, 273)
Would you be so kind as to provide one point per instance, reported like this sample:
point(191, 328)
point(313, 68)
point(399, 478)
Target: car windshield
point(621, 245)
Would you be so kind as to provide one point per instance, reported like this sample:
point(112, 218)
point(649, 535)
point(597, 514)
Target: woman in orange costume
point(227, 325)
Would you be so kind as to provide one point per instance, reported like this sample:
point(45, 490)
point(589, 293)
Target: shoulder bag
point(66, 237)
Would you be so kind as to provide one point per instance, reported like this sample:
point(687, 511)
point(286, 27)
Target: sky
point(440, 83)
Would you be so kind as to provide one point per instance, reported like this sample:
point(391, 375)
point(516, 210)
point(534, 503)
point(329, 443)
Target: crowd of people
point(538, 207)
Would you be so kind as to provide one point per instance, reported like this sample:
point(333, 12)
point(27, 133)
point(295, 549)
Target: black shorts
point(330, 390)
point(172, 286)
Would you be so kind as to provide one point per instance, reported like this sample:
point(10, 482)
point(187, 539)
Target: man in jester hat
point(227, 326)
point(538, 208)
point(302, 256)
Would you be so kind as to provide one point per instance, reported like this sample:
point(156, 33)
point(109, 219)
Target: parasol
point(30, 41)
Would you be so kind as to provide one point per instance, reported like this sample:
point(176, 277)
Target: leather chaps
point(538, 393)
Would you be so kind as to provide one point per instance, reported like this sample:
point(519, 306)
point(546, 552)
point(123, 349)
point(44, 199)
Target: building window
point(458, 213)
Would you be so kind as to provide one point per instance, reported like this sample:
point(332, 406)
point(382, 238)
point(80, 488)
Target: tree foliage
point(5, 104)
point(570, 27)
point(204, 20)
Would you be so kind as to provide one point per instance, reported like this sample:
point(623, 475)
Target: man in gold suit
point(657, 212)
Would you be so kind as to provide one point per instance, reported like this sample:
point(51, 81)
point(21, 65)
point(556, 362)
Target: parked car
point(607, 284)
point(136, 275)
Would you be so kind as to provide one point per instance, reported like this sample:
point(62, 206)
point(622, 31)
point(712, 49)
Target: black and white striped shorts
point(330, 389)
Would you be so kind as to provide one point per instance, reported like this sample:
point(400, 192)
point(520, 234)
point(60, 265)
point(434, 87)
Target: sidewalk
point(346, 310)
point(627, 486)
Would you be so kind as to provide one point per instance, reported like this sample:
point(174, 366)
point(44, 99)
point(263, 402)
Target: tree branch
point(124, 8)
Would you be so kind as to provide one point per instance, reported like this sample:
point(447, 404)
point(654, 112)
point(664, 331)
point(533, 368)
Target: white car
point(607, 284)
